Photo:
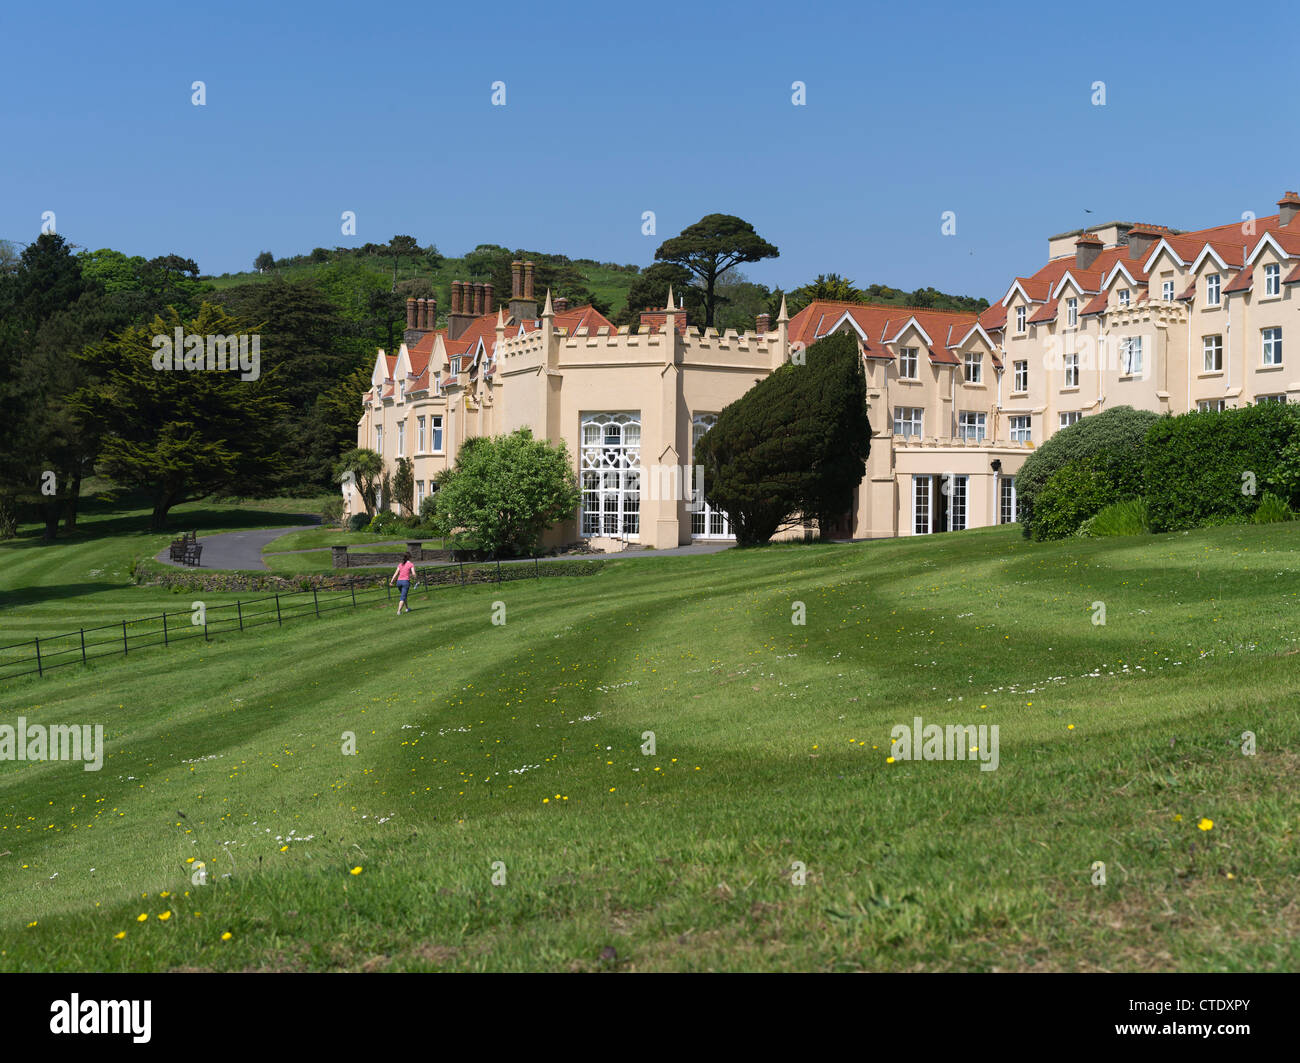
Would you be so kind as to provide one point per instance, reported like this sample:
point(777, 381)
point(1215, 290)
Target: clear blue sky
point(385, 109)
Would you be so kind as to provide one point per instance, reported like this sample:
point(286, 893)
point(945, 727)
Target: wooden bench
point(186, 549)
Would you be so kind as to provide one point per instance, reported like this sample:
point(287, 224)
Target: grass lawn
point(514, 750)
point(326, 537)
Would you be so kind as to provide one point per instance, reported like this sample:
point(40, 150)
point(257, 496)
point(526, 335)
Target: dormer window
point(1125, 297)
point(1213, 289)
point(1272, 279)
point(1020, 319)
point(1071, 312)
point(907, 363)
point(974, 368)
point(1167, 291)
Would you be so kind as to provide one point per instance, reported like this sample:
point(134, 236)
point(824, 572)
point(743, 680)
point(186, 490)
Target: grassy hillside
point(609, 284)
point(484, 749)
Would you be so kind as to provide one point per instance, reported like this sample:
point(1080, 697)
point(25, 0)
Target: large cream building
point(1125, 314)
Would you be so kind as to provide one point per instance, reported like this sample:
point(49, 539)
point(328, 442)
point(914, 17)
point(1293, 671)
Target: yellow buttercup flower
point(227, 936)
point(119, 935)
point(143, 917)
point(356, 870)
point(164, 916)
point(1206, 824)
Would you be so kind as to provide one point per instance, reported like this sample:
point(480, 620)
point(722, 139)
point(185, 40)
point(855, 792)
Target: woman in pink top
point(405, 572)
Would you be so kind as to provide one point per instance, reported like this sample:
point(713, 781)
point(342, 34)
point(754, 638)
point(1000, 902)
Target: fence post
point(462, 572)
point(498, 570)
point(239, 611)
point(277, 610)
point(39, 672)
point(83, 645)
point(537, 572)
point(124, 646)
point(164, 627)
point(353, 587)
point(389, 588)
point(316, 602)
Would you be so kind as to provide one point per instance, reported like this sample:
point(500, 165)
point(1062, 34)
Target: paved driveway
point(241, 549)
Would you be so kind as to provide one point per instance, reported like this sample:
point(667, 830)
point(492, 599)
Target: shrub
point(332, 511)
point(357, 522)
point(1272, 510)
point(1115, 440)
point(1074, 493)
point(1204, 465)
point(384, 521)
point(1119, 518)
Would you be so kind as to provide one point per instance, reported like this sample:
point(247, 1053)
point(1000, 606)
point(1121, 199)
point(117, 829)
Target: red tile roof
point(1242, 282)
point(882, 324)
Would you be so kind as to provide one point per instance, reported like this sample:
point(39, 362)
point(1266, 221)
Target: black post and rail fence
point(44, 653)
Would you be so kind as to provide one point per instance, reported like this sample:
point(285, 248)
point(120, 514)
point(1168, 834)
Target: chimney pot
point(422, 313)
point(516, 280)
point(561, 304)
point(528, 280)
point(478, 298)
point(410, 313)
point(455, 297)
point(1288, 207)
point(487, 298)
point(764, 323)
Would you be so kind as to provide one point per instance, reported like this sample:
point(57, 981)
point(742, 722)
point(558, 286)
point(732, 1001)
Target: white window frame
point(435, 424)
point(610, 474)
point(1281, 399)
point(1022, 427)
point(379, 439)
point(1213, 289)
point(1212, 353)
point(1069, 417)
point(1131, 354)
point(922, 501)
point(1167, 288)
point(1072, 370)
point(1272, 345)
point(909, 363)
point(421, 437)
point(1022, 314)
point(706, 522)
point(1071, 312)
point(1020, 376)
point(971, 423)
point(1125, 297)
point(973, 363)
point(1006, 499)
point(909, 421)
point(1272, 279)
point(401, 439)
point(1211, 405)
point(957, 494)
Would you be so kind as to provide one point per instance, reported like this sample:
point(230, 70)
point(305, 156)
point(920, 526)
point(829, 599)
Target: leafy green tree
point(827, 286)
point(505, 491)
point(650, 289)
point(712, 246)
point(400, 247)
point(178, 434)
point(365, 469)
point(264, 261)
point(301, 346)
point(404, 486)
point(793, 447)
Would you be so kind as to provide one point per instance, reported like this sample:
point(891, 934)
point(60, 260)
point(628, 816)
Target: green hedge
point(1073, 494)
point(1112, 443)
point(1199, 467)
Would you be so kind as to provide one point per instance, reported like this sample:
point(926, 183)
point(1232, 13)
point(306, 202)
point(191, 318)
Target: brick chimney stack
point(528, 282)
point(422, 314)
point(1086, 250)
point(488, 289)
point(764, 323)
point(410, 313)
point(561, 304)
point(461, 310)
point(1141, 238)
point(516, 280)
point(1288, 208)
point(522, 307)
point(478, 299)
